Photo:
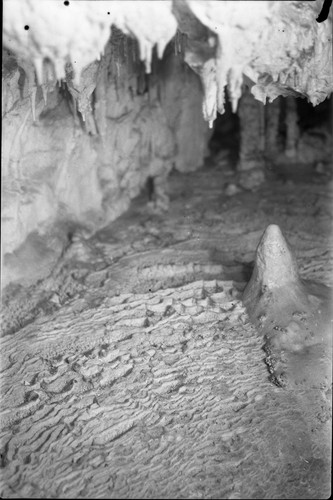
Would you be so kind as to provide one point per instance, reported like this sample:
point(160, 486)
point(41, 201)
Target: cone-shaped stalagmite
point(293, 314)
point(275, 264)
point(275, 280)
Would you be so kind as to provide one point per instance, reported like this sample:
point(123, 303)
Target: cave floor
point(132, 371)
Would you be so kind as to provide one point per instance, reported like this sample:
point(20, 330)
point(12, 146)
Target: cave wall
point(61, 172)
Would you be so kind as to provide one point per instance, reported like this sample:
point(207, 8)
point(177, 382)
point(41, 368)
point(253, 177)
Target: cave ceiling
point(277, 48)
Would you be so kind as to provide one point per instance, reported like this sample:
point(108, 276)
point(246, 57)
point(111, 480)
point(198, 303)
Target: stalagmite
point(272, 144)
point(275, 267)
point(292, 128)
point(293, 315)
point(251, 161)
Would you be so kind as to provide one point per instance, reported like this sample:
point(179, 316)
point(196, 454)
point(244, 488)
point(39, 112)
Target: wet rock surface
point(134, 371)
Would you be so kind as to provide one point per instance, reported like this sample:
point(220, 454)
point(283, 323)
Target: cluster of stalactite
point(278, 46)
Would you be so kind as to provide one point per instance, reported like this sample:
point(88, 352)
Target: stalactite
point(116, 59)
point(175, 43)
point(75, 73)
point(101, 100)
point(30, 84)
point(38, 64)
point(220, 95)
point(14, 163)
point(49, 71)
point(126, 58)
point(208, 76)
point(33, 92)
point(90, 125)
point(122, 50)
point(147, 55)
point(222, 68)
point(294, 54)
point(180, 43)
point(59, 69)
point(297, 55)
point(75, 110)
point(235, 81)
point(44, 91)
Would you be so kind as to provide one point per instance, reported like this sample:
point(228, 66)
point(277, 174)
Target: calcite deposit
point(294, 315)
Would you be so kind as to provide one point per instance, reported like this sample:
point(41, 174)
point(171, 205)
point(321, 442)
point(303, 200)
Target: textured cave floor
point(133, 371)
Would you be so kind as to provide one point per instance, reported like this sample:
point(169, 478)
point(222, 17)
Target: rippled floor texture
point(133, 370)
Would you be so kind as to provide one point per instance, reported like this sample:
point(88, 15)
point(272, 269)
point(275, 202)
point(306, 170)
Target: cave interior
point(156, 341)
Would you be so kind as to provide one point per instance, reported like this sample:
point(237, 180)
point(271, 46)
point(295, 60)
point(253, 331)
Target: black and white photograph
point(166, 249)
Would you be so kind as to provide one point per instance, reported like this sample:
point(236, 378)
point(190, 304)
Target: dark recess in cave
point(226, 134)
point(313, 116)
point(317, 120)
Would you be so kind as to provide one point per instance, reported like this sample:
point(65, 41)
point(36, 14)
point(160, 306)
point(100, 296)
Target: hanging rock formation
point(279, 46)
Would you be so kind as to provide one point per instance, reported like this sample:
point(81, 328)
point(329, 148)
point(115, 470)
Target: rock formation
point(294, 315)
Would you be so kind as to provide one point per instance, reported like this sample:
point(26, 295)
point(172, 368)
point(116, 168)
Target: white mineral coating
point(279, 39)
point(78, 33)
